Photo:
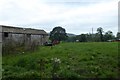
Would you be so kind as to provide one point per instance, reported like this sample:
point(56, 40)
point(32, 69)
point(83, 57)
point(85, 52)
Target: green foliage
point(67, 60)
point(108, 36)
point(118, 35)
point(100, 32)
point(95, 37)
point(58, 33)
point(82, 38)
point(71, 39)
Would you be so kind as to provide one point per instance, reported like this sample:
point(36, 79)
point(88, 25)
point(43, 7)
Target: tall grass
point(77, 60)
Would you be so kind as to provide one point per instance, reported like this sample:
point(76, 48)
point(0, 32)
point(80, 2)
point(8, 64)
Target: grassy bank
point(66, 60)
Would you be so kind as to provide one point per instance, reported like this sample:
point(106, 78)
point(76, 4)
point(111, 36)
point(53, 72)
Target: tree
point(82, 37)
point(58, 33)
point(89, 37)
point(100, 32)
point(97, 37)
point(71, 39)
point(118, 35)
point(108, 36)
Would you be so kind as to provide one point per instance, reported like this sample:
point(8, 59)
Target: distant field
point(74, 60)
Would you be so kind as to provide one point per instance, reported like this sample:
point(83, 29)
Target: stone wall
point(14, 40)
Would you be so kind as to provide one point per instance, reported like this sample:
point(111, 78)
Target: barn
point(18, 36)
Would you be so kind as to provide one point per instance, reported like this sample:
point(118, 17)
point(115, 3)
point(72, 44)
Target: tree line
point(100, 36)
point(59, 33)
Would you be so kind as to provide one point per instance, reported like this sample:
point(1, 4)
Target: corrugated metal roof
point(11, 29)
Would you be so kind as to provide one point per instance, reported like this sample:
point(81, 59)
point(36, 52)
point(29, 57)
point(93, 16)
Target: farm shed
point(22, 36)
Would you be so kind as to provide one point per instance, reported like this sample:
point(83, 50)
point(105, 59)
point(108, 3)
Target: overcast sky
point(76, 16)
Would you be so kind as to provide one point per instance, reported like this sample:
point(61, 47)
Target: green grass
point(78, 60)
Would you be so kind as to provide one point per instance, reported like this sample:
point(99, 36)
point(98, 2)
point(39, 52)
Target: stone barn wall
point(25, 37)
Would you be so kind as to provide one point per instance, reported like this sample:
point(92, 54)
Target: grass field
point(66, 60)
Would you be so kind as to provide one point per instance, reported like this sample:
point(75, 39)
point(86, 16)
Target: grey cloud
point(64, 14)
